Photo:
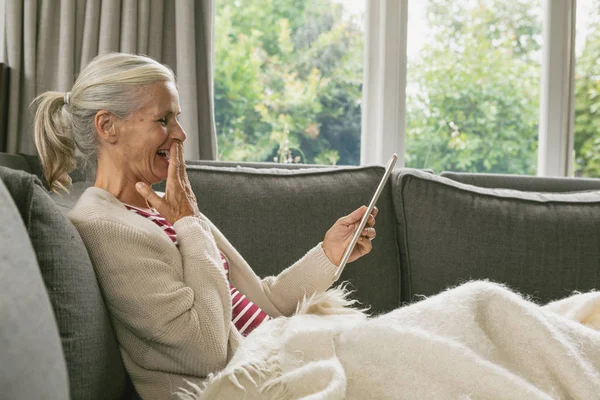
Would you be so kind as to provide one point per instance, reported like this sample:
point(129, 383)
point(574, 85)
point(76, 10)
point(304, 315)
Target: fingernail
point(139, 185)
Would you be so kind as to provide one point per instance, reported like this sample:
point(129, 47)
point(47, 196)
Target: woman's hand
point(179, 200)
point(339, 235)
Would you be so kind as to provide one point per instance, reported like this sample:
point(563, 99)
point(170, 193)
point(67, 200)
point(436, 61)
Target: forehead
point(160, 97)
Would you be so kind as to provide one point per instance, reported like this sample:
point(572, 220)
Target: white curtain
point(47, 42)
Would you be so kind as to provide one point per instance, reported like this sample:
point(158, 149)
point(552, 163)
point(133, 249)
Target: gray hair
point(65, 121)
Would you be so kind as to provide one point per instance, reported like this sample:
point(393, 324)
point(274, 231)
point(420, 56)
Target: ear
point(105, 124)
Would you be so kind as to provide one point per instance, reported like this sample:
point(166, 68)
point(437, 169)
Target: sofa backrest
point(32, 366)
point(273, 216)
point(545, 245)
point(524, 183)
point(15, 161)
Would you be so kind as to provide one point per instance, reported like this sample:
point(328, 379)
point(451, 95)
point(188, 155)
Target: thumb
point(149, 194)
point(354, 216)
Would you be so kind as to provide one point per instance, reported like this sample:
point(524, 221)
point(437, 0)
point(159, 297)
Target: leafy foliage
point(473, 93)
point(288, 82)
point(288, 77)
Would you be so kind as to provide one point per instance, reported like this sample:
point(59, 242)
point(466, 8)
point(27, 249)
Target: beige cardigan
point(170, 305)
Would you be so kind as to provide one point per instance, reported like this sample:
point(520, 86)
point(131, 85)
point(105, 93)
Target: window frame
point(557, 112)
point(384, 82)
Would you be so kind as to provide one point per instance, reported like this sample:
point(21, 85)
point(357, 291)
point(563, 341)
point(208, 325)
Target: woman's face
point(145, 136)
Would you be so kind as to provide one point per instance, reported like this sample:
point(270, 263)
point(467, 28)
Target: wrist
point(328, 254)
point(185, 215)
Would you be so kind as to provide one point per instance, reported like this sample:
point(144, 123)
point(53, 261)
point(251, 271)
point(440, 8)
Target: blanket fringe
point(333, 301)
point(193, 393)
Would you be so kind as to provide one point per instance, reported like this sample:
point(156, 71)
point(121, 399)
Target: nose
point(178, 133)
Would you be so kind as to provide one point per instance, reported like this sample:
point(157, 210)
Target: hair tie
point(67, 98)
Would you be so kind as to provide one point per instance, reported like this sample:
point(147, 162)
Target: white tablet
point(365, 218)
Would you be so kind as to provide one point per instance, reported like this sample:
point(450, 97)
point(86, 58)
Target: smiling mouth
point(164, 153)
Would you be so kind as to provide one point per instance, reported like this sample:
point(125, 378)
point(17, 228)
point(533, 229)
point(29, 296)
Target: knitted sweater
point(170, 305)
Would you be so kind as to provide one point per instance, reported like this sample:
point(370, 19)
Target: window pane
point(587, 89)
point(473, 84)
point(288, 80)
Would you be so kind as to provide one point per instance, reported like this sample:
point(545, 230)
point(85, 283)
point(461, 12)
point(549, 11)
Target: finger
point(183, 176)
point(369, 233)
point(354, 216)
point(181, 154)
point(174, 162)
point(150, 195)
point(364, 246)
point(371, 221)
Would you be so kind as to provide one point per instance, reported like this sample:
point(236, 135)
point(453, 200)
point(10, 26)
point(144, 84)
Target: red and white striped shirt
point(246, 315)
point(158, 220)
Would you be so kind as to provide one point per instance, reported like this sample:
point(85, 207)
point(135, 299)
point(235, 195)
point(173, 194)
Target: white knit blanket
point(476, 341)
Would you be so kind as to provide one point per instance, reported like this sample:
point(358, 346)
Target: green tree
point(288, 74)
point(473, 92)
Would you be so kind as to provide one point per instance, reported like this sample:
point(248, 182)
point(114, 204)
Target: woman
point(181, 298)
point(169, 295)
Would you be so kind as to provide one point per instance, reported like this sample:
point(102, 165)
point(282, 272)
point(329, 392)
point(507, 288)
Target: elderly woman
point(181, 298)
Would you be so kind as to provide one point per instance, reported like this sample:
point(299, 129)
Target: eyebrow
point(167, 112)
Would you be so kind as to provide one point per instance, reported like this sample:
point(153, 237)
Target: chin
point(159, 178)
point(160, 173)
point(156, 176)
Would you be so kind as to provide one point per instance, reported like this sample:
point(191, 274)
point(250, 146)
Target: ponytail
point(54, 141)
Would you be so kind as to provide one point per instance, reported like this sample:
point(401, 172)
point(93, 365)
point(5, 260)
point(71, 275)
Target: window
point(473, 85)
point(288, 80)
point(587, 89)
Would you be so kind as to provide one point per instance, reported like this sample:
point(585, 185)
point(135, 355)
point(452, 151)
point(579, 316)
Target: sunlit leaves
point(478, 71)
point(302, 67)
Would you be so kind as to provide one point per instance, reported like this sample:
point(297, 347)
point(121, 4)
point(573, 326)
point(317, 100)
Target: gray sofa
point(434, 232)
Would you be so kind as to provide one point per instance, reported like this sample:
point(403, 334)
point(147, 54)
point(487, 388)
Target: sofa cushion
point(91, 351)
point(524, 182)
point(32, 366)
point(273, 218)
point(543, 244)
point(15, 161)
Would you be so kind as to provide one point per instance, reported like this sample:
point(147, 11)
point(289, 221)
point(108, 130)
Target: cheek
point(152, 140)
point(159, 135)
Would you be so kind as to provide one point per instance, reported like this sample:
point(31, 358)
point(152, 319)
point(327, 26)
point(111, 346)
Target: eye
point(163, 121)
